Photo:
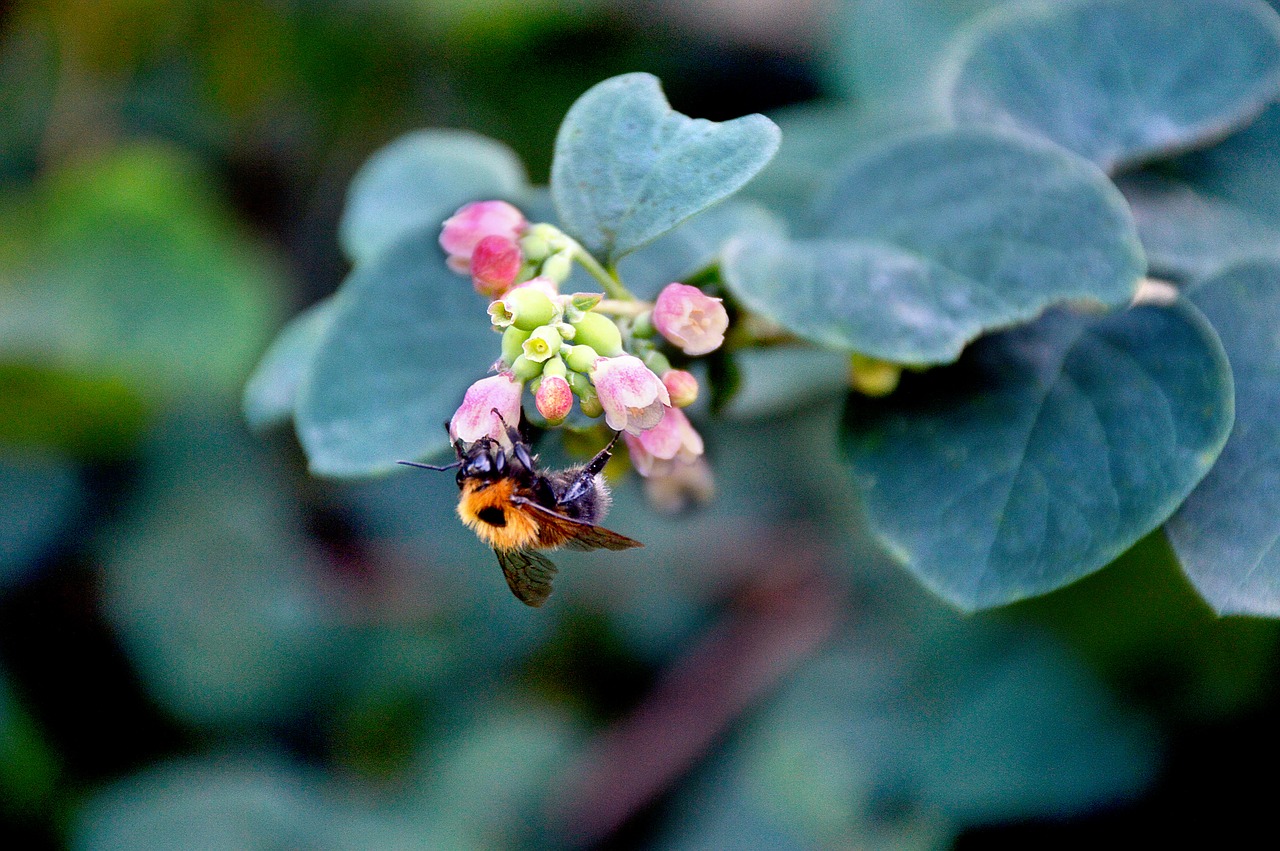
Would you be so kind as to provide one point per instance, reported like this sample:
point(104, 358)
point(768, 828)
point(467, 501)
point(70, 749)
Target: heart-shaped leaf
point(1227, 533)
point(406, 339)
point(271, 391)
point(936, 238)
point(1187, 234)
point(628, 168)
point(1120, 81)
point(1046, 453)
point(419, 180)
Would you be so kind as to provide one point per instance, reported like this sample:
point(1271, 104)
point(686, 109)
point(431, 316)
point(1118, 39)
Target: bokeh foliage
point(204, 644)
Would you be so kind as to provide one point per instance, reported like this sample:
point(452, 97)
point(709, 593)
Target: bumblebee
point(518, 509)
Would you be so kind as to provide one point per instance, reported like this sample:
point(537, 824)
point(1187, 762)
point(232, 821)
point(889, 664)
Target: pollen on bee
point(490, 513)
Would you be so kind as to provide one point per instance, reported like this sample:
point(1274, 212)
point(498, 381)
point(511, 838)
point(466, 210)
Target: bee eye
point(493, 516)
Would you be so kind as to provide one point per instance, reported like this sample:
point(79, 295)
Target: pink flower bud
point(682, 386)
point(475, 419)
point(691, 319)
point(673, 439)
point(632, 396)
point(494, 265)
point(554, 398)
point(463, 230)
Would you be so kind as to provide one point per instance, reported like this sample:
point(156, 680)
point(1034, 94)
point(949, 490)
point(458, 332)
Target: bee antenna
point(457, 463)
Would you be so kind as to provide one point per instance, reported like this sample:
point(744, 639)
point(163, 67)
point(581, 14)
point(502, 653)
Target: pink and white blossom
point(495, 264)
point(475, 419)
point(691, 319)
point(673, 440)
point(463, 230)
point(673, 487)
point(633, 397)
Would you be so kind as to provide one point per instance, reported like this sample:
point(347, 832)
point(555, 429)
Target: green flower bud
point(558, 266)
point(529, 308)
point(580, 358)
point(643, 326)
point(534, 245)
point(590, 405)
point(525, 369)
point(542, 344)
point(600, 333)
point(873, 377)
point(554, 366)
point(588, 399)
point(513, 344)
point(656, 361)
point(567, 331)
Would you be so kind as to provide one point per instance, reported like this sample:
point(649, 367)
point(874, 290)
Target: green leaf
point(912, 726)
point(406, 339)
point(816, 136)
point(1187, 234)
point(1241, 170)
point(693, 246)
point(271, 391)
point(628, 168)
point(936, 238)
point(211, 584)
point(138, 274)
point(421, 179)
point(41, 496)
point(1120, 81)
point(1226, 533)
point(778, 379)
point(887, 51)
point(1046, 453)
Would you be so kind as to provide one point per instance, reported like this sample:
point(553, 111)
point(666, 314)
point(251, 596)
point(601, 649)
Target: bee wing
point(528, 574)
point(579, 534)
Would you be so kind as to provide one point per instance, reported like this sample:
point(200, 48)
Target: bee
point(518, 509)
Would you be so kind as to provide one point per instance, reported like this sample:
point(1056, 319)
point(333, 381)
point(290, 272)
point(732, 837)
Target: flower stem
point(607, 278)
point(622, 307)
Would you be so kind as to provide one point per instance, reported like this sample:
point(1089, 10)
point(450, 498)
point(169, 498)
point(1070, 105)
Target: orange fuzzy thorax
point(520, 530)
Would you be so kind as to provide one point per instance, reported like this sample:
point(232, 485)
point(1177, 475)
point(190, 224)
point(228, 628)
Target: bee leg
point(585, 479)
point(596, 464)
point(514, 436)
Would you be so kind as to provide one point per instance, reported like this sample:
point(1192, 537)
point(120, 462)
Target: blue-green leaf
point(1242, 169)
point(1045, 454)
point(40, 497)
point(1226, 533)
point(212, 585)
point(909, 728)
point(887, 51)
point(1187, 234)
point(693, 246)
point(628, 168)
point(778, 379)
point(1120, 81)
point(420, 180)
point(938, 237)
point(406, 339)
point(271, 391)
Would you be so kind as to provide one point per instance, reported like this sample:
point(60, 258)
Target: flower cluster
point(604, 350)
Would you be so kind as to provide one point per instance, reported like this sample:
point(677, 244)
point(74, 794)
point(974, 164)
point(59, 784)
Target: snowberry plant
point(1044, 274)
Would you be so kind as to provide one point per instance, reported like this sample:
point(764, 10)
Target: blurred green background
point(203, 646)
